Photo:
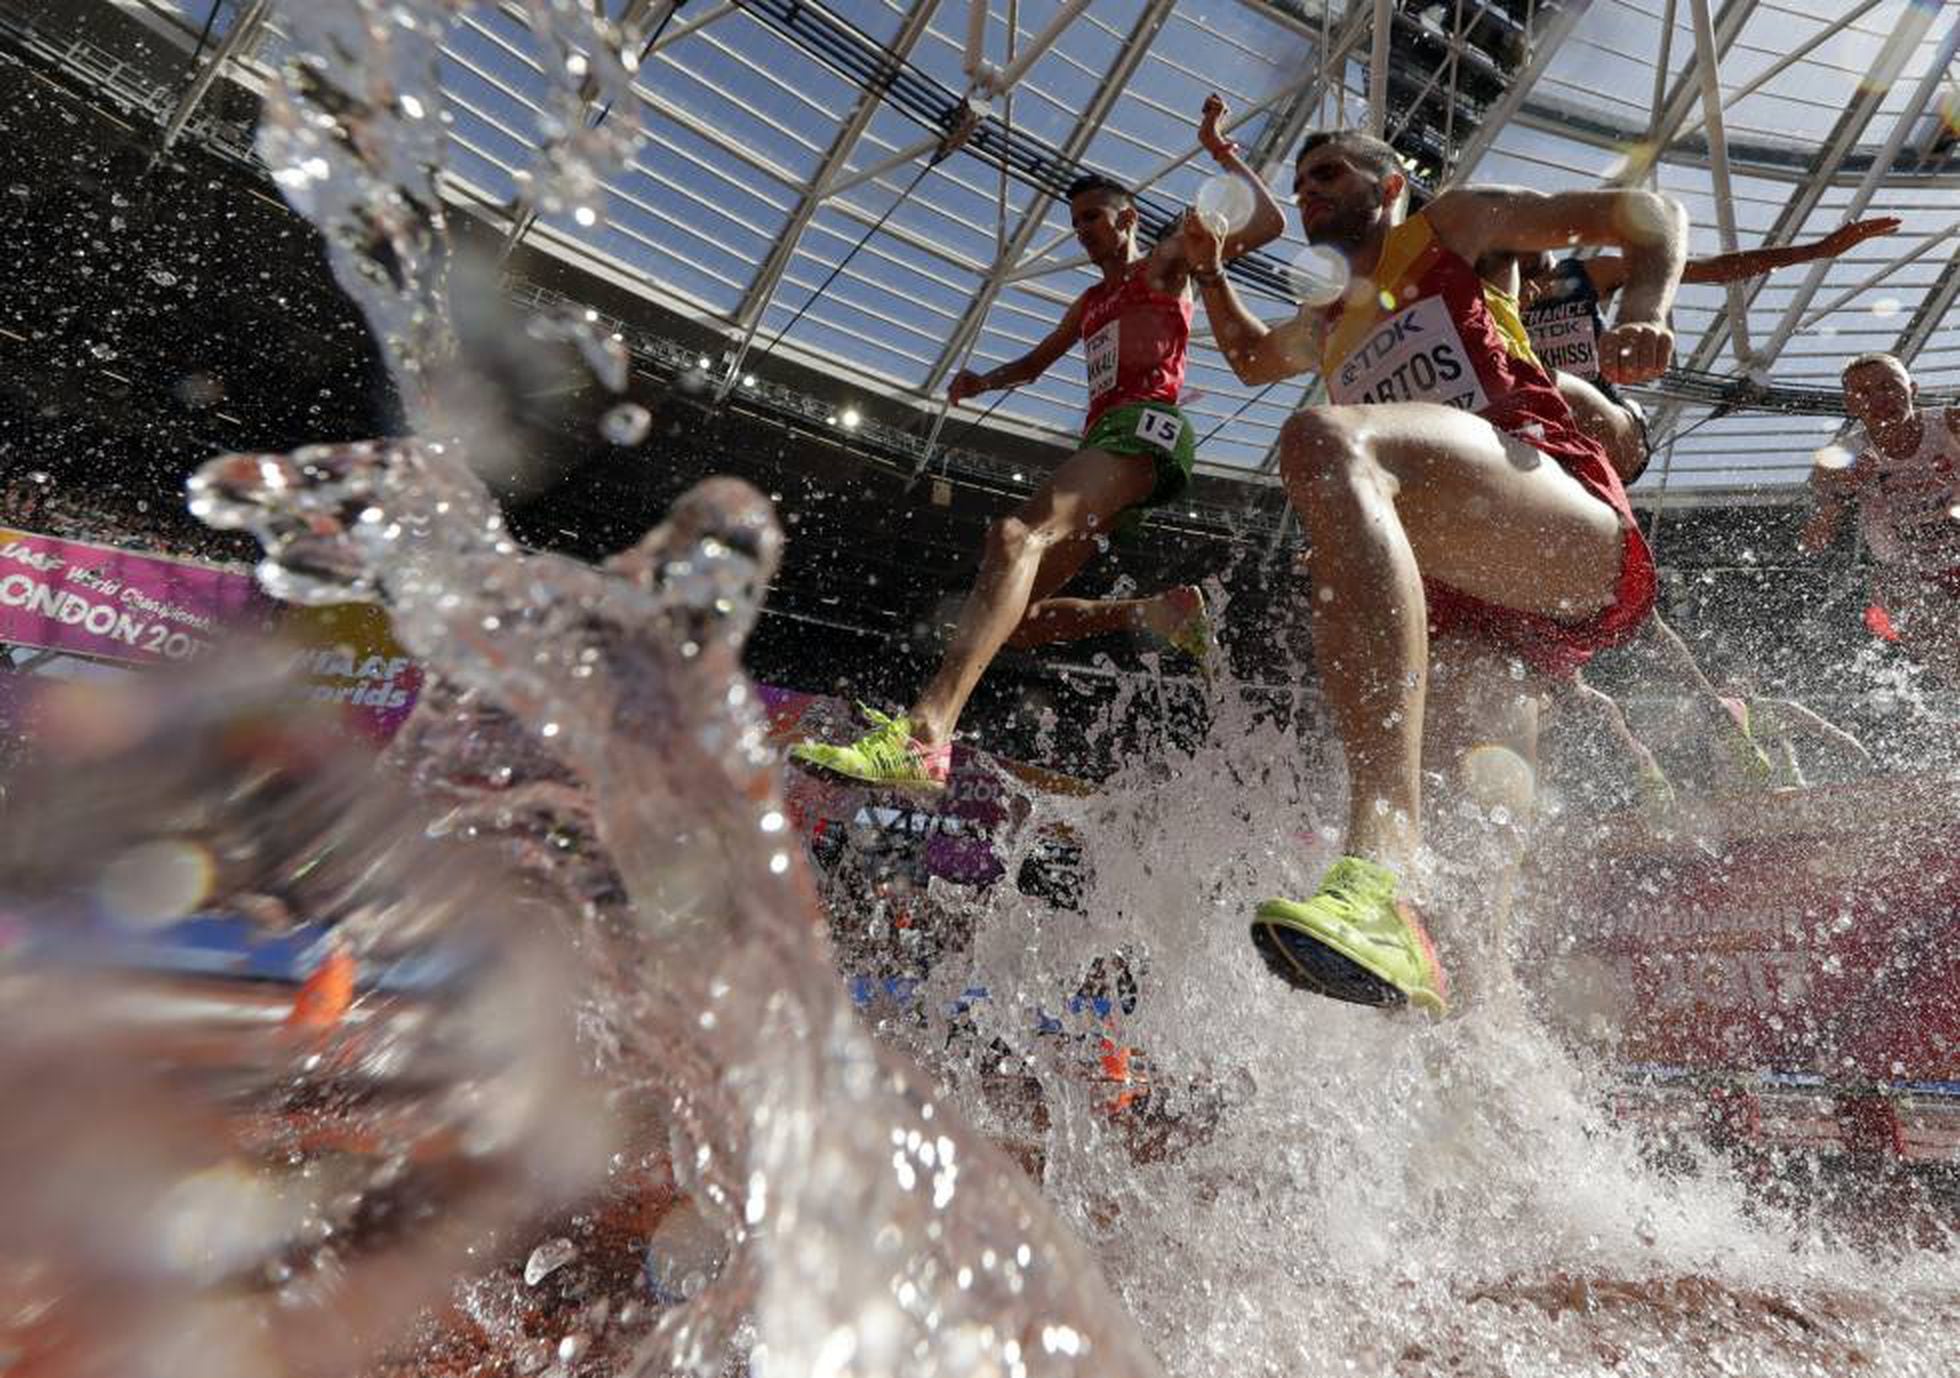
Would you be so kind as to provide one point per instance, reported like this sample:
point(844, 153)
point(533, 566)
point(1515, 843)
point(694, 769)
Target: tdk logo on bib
point(1415, 355)
point(1565, 337)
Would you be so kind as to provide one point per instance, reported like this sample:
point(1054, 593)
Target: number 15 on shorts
point(1160, 428)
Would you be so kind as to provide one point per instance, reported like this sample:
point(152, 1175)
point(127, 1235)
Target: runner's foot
point(1657, 798)
point(1746, 760)
point(1354, 941)
point(1179, 618)
point(887, 755)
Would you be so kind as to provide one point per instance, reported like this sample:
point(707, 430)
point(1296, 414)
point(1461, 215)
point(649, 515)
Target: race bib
point(1415, 355)
point(1565, 337)
point(1162, 428)
point(1100, 349)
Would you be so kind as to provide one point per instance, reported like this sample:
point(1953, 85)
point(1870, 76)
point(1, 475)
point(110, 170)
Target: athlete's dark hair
point(1868, 360)
point(1374, 154)
point(1095, 181)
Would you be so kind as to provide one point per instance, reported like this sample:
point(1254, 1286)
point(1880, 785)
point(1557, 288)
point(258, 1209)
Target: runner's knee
point(1317, 444)
point(1017, 538)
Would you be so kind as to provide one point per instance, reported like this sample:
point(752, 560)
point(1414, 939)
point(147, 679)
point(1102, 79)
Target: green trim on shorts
point(1122, 431)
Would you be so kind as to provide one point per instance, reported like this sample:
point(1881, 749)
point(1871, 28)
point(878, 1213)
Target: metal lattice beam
point(1809, 193)
point(1918, 23)
point(1128, 59)
point(243, 32)
point(1930, 313)
point(1710, 74)
point(1384, 27)
point(1544, 48)
point(1791, 58)
point(762, 289)
point(1290, 122)
point(1680, 102)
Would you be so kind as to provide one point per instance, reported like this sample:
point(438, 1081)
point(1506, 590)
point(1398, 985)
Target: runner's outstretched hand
point(1857, 232)
point(966, 383)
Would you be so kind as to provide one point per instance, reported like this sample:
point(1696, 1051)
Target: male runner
point(1137, 452)
point(1447, 488)
point(1561, 302)
point(1906, 485)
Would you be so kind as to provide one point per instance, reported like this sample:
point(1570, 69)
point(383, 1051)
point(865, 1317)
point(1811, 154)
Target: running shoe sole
point(1307, 964)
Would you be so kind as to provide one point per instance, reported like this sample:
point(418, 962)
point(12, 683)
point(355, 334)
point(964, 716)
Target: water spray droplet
point(1224, 201)
point(1317, 275)
point(547, 1259)
point(626, 424)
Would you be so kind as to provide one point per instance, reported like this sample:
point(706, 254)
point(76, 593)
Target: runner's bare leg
point(1076, 619)
point(1663, 647)
point(1398, 490)
point(1052, 619)
point(1475, 704)
point(1606, 713)
point(1084, 495)
point(1607, 422)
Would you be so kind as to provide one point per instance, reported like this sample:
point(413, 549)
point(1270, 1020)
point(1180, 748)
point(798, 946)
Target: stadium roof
point(787, 142)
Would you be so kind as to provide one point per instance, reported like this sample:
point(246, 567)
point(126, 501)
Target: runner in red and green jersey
point(1137, 452)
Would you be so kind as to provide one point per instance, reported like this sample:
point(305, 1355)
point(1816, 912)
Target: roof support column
point(1128, 59)
point(1718, 155)
point(1378, 68)
point(236, 38)
point(1907, 37)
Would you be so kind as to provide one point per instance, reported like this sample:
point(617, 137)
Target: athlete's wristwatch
point(1210, 279)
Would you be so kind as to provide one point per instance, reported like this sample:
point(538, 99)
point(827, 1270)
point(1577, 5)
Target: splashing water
point(877, 1231)
point(1304, 1189)
point(207, 1175)
point(1316, 1189)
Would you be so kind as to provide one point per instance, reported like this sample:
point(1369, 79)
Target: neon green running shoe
point(1657, 798)
point(887, 755)
point(1746, 758)
point(1354, 941)
point(1192, 635)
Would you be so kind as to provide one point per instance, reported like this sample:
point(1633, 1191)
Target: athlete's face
point(1877, 392)
point(1103, 223)
point(1340, 199)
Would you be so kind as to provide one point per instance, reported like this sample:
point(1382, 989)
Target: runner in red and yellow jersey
point(1449, 493)
point(1137, 452)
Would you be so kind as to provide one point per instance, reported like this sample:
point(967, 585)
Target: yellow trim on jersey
point(1408, 253)
point(1404, 253)
point(1510, 324)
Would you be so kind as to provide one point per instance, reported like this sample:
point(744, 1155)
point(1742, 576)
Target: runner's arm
point(1650, 230)
point(1258, 353)
point(1267, 221)
point(1751, 263)
point(1609, 273)
point(1835, 489)
point(1025, 369)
